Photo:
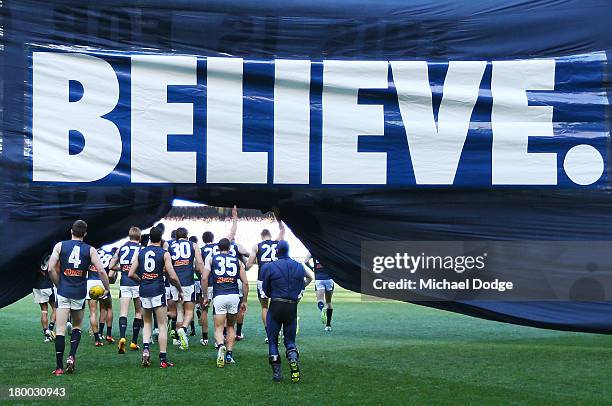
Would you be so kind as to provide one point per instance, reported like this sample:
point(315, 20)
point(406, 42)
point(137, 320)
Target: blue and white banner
point(358, 121)
point(121, 118)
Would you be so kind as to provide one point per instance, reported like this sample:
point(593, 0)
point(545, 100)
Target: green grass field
point(378, 353)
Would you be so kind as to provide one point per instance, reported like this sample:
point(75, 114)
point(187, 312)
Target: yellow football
point(96, 292)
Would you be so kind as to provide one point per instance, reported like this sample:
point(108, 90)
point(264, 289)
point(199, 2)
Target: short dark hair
point(161, 226)
point(224, 244)
point(155, 235)
point(144, 239)
point(181, 232)
point(193, 238)
point(173, 234)
point(266, 233)
point(79, 228)
point(208, 237)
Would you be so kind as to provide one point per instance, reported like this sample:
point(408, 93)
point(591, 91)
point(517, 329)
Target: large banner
point(359, 121)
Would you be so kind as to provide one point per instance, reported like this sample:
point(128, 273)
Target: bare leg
point(161, 314)
point(231, 331)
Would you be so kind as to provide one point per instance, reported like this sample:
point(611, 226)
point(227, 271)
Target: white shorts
point(168, 293)
point(42, 295)
point(210, 293)
point(91, 284)
point(226, 304)
point(324, 284)
point(260, 291)
point(240, 288)
point(72, 304)
point(188, 293)
point(132, 292)
point(198, 287)
point(153, 302)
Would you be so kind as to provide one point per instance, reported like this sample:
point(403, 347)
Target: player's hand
point(234, 213)
point(243, 307)
point(105, 295)
point(180, 297)
point(205, 302)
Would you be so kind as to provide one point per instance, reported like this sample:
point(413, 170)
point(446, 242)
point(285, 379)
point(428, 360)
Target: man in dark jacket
point(284, 281)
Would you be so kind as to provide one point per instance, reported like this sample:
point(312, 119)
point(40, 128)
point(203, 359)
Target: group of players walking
point(167, 282)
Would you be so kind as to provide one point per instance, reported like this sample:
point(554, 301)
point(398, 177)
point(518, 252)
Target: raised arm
point(252, 257)
point(281, 230)
point(95, 261)
point(53, 263)
point(232, 233)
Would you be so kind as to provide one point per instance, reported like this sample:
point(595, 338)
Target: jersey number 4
point(75, 257)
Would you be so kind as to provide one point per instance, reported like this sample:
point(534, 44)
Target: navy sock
point(145, 346)
point(173, 324)
point(329, 316)
point(238, 329)
point(122, 326)
point(162, 356)
point(205, 335)
point(155, 325)
point(192, 325)
point(97, 336)
point(109, 331)
point(229, 353)
point(44, 332)
point(136, 325)
point(320, 305)
point(75, 339)
point(101, 328)
point(60, 346)
point(51, 326)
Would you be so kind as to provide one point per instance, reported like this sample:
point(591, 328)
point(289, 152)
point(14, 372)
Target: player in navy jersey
point(68, 266)
point(128, 289)
point(93, 279)
point(324, 289)
point(106, 306)
point(44, 295)
point(209, 248)
point(172, 314)
point(265, 252)
point(226, 271)
point(198, 292)
point(186, 258)
point(148, 269)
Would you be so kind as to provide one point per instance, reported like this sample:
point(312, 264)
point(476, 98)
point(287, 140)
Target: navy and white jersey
point(320, 271)
point(170, 241)
point(208, 250)
point(42, 278)
point(105, 258)
point(225, 271)
point(151, 271)
point(183, 255)
point(127, 253)
point(75, 260)
point(266, 252)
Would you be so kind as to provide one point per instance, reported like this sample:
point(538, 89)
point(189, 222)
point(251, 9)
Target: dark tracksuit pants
point(281, 315)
